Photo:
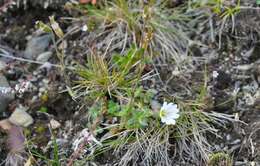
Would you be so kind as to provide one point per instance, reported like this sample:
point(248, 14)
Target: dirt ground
point(235, 91)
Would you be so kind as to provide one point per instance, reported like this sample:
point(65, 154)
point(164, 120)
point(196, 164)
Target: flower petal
point(170, 122)
point(164, 105)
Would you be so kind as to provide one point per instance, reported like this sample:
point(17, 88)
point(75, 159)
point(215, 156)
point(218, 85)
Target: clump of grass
point(112, 77)
point(224, 14)
point(138, 136)
point(121, 113)
point(121, 23)
point(220, 159)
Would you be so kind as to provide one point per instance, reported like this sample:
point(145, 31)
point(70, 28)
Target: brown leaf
point(5, 125)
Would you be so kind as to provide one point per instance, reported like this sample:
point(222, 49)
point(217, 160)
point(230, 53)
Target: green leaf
point(56, 27)
point(43, 27)
point(125, 111)
point(113, 108)
point(43, 110)
point(94, 111)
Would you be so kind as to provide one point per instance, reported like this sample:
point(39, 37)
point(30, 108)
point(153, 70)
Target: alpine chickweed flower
point(169, 113)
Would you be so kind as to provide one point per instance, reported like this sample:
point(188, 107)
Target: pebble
point(20, 117)
point(5, 98)
point(3, 65)
point(44, 57)
point(54, 124)
point(36, 46)
point(42, 89)
point(46, 81)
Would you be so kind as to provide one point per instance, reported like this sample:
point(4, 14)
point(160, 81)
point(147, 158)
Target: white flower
point(84, 28)
point(215, 74)
point(84, 136)
point(169, 113)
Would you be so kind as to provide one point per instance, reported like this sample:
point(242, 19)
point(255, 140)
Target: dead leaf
point(5, 124)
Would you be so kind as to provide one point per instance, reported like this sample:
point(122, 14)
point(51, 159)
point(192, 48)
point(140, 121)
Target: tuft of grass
point(138, 136)
point(220, 159)
point(121, 113)
point(114, 77)
point(152, 25)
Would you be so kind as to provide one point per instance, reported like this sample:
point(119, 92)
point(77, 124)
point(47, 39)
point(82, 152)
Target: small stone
point(36, 46)
point(5, 98)
point(44, 57)
point(54, 124)
point(2, 65)
point(20, 117)
point(46, 81)
point(42, 89)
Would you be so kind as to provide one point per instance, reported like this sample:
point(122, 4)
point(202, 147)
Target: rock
point(36, 46)
point(44, 57)
point(20, 117)
point(5, 98)
point(54, 124)
point(3, 65)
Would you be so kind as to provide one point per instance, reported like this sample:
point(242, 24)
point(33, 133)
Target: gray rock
point(20, 117)
point(5, 93)
point(3, 65)
point(36, 46)
point(44, 57)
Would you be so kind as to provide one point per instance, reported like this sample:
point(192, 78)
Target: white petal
point(164, 105)
point(169, 106)
point(164, 120)
point(171, 112)
point(170, 122)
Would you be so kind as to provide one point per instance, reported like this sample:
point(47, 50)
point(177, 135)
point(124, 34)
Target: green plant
point(153, 26)
point(101, 77)
point(54, 160)
point(43, 110)
point(135, 114)
point(196, 122)
point(121, 113)
point(220, 159)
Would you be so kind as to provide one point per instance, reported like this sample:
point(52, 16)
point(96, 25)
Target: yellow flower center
point(162, 113)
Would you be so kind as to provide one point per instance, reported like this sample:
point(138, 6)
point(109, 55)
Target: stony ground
point(29, 59)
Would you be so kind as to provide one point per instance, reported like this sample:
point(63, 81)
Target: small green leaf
point(43, 110)
point(43, 27)
point(56, 27)
point(113, 108)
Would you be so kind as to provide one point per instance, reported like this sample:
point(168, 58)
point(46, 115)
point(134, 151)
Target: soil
point(241, 139)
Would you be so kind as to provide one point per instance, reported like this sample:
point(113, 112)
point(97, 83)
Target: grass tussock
point(131, 35)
